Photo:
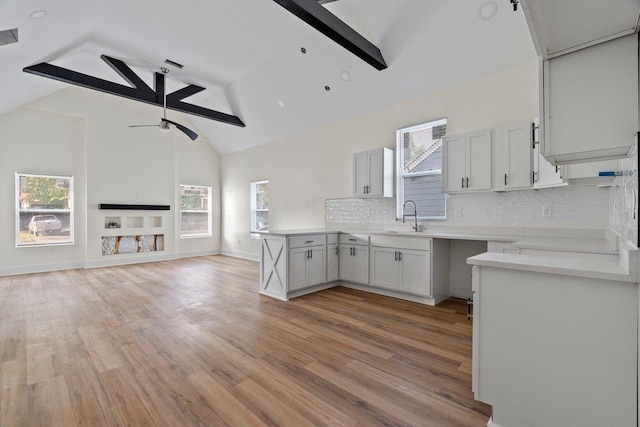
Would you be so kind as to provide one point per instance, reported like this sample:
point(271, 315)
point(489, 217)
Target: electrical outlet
point(546, 211)
point(458, 212)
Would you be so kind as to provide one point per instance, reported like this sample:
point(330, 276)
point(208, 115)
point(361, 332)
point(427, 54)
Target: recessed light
point(345, 76)
point(303, 50)
point(488, 10)
point(38, 14)
point(327, 88)
point(281, 103)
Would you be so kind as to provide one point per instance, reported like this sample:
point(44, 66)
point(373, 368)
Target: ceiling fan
point(165, 123)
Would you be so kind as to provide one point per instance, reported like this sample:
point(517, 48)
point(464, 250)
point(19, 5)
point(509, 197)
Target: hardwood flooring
point(192, 343)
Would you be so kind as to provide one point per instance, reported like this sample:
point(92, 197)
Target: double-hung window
point(195, 211)
point(44, 210)
point(259, 205)
point(419, 169)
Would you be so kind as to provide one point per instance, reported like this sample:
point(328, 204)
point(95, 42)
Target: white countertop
point(594, 269)
point(421, 234)
point(566, 244)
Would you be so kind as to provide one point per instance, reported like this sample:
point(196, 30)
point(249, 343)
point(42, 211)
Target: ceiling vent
point(8, 36)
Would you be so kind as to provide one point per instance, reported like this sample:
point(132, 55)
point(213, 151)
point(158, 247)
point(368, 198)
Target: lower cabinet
point(332, 262)
point(307, 267)
point(405, 270)
point(354, 263)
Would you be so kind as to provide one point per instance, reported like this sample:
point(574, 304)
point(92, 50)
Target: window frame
point(400, 176)
point(18, 210)
point(253, 229)
point(209, 212)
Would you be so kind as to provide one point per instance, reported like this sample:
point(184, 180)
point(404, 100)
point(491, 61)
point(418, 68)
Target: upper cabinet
point(560, 27)
point(588, 77)
point(373, 173)
point(467, 162)
point(590, 102)
point(512, 156)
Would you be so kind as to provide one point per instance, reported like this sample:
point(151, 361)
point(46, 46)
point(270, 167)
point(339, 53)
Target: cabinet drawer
point(332, 239)
point(302, 241)
point(354, 239)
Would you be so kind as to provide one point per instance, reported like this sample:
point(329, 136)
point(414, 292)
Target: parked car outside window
point(40, 224)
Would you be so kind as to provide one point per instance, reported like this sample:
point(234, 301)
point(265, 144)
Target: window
point(195, 211)
point(44, 210)
point(419, 169)
point(259, 206)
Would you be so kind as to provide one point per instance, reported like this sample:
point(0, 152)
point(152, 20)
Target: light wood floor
point(191, 342)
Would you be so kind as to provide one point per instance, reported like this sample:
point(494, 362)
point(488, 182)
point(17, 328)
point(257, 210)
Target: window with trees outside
point(419, 169)
point(259, 206)
point(195, 211)
point(44, 210)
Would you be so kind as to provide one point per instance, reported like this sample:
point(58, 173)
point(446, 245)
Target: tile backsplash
point(560, 207)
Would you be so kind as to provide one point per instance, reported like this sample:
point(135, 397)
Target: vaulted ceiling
point(248, 55)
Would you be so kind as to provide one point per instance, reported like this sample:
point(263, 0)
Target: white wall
point(84, 133)
point(306, 169)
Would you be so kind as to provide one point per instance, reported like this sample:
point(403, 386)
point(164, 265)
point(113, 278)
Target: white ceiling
point(247, 54)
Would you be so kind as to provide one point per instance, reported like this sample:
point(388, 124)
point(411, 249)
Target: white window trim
point(209, 212)
point(252, 207)
point(17, 211)
point(400, 167)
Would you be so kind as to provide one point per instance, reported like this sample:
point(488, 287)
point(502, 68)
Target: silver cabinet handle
point(399, 256)
point(505, 179)
point(311, 253)
point(352, 240)
point(467, 183)
point(309, 241)
point(337, 253)
point(395, 256)
point(462, 185)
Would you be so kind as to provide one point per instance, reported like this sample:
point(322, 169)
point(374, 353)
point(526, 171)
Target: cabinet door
point(455, 150)
point(478, 161)
point(317, 266)
point(415, 272)
point(376, 172)
point(346, 264)
point(360, 174)
point(332, 263)
point(546, 174)
point(517, 150)
point(297, 268)
point(361, 264)
point(384, 268)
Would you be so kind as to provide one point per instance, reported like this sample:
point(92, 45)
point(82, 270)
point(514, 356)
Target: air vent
point(8, 36)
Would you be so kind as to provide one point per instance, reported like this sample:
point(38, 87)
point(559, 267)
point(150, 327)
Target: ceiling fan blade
point(144, 126)
point(191, 134)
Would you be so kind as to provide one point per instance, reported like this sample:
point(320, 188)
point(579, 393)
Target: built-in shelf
point(155, 221)
point(112, 222)
point(135, 222)
point(118, 206)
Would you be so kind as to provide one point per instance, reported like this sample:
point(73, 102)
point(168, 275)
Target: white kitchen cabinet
point(293, 266)
point(512, 154)
point(307, 267)
point(546, 175)
point(404, 270)
point(588, 173)
point(354, 258)
point(332, 262)
point(589, 105)
point(373, 173)
point(467, 162)
point(554, 349)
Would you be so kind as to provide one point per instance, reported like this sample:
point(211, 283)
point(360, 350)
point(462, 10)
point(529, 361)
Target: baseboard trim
point(243, 255)
point(42, 268)
point(193, 254)
point(117, 260)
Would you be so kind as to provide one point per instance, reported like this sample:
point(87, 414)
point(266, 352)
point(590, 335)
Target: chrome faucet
point(414, 215)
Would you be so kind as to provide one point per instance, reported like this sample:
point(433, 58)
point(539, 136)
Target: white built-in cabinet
point(405, 270)
point(546, 175)
point(332, 257)
point(467, 162)
point(589, 105)
point(307, 267)
point(373, 173)
point(354, 258)
point(512, 147)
